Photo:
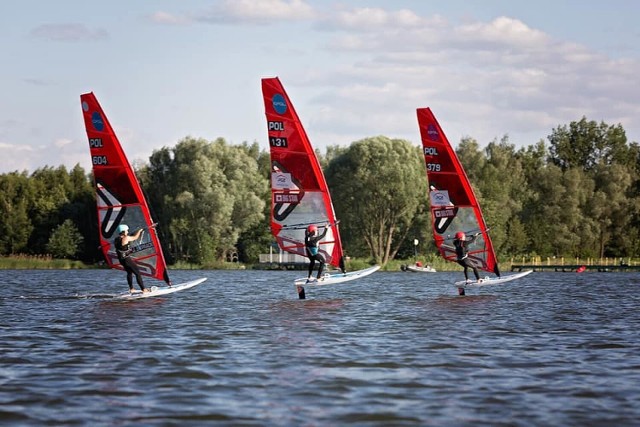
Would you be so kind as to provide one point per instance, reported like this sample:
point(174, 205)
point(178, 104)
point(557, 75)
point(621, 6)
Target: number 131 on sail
point(278, 142)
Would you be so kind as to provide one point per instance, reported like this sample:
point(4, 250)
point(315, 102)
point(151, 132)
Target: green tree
point(65, 241)
point(518, 241)
point(556, 217)
point(331, 153)
point(81, 209)
point(586, 144)
point(501, 182)
point(210, 193)
point(52, 189)
point(613, 207)
point(472, 159)
point(611, 218)
point(254, 241)
point(15, 223)
point(377, 186)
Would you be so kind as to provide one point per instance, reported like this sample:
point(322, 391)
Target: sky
point(164, 70)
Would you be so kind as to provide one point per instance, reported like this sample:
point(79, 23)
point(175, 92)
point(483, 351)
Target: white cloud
point(502, 31)
point(500, 75)
point(7, 148)
point(62, 142)
point(374, 19)
point(29, 157)
point(256, 12)
point(352, 73)
point(68, 33)
point(161, 17)
point(268, 9)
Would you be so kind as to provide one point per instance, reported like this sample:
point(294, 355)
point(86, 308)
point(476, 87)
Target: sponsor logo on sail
point(279, 104)
point(292, 198)
point(439, 198)
point(141, 247)
point(432, 133)
point(96, 121)
point(281, 181)
point(444, 213)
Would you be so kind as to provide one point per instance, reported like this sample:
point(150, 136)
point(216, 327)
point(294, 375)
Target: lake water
point(391, 349)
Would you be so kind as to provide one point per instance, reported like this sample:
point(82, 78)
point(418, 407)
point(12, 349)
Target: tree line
point(575, 195)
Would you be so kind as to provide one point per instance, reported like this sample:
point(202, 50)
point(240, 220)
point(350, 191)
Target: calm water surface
point(392, 349)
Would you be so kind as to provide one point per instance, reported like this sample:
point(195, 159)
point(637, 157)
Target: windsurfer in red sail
point(461, 244)
point(311, 242)
point(123, 249)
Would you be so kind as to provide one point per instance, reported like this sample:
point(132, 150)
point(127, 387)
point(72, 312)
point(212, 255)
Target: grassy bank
point(29, 262)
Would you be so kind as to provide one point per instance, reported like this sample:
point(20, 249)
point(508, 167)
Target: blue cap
point(122, 228)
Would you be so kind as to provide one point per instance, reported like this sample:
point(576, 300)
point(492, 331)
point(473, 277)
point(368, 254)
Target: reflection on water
point(389, 349)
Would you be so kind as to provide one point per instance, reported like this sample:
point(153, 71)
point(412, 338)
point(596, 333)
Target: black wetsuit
point(462, 252)
point(130, 266)
point(311, 246)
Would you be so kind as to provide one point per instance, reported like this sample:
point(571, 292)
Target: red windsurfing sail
point(119, 197)
point(454, 206)
point(299, 193)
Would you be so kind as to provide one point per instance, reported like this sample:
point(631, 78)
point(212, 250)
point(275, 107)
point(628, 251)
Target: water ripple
point(391, 349)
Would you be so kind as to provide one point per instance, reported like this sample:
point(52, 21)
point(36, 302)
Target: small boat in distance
point(417, 268)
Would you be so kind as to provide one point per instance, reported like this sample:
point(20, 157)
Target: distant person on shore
point(123, 250)
point(461, 243)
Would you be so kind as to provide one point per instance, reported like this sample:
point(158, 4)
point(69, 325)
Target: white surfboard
point(490, 280)
point(331, 279)
point(157, 291)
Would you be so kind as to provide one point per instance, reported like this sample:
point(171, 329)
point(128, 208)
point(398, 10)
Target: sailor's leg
point(312, 263)
point(136, 270)
point(475, 272)
point(320, 269)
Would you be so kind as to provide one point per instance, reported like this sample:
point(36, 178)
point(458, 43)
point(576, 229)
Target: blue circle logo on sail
point(432, 132)
point(279, 104)
point(96, 121)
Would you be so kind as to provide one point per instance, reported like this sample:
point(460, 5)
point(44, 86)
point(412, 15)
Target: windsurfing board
point(157, 291)
point(331, 279)
point(490, 280)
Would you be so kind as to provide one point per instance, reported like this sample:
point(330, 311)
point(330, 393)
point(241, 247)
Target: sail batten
point(299, 192)
point(453, 203)
point(119, 197)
